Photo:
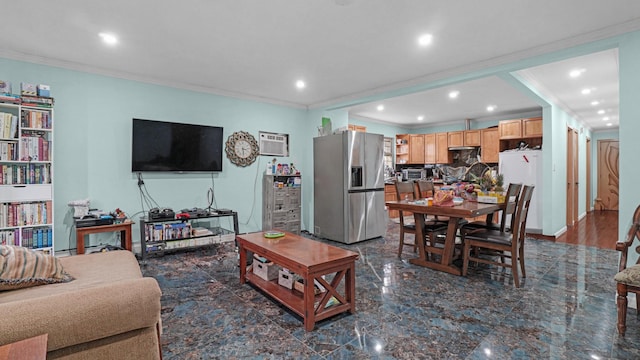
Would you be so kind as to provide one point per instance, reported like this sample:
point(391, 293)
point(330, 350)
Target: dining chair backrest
point(512, 196)
point(522, 210)
point(404, 190)
point(425, 188)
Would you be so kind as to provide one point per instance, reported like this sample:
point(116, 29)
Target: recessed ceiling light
point(606, 118)
point(300, 84)
point(576, 72)
point(425, 39)
point(491, 107)
point(595, 103)
point(454, 94)
point(380, 107)
point(609, 124)
point(420, 118)
point(586, 91)
point(109, 39)
point(600, 112)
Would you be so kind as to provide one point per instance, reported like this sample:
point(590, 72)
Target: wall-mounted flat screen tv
point(175, 147)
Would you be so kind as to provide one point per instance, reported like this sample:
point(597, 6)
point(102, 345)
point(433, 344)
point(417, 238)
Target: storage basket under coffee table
point(310, 260)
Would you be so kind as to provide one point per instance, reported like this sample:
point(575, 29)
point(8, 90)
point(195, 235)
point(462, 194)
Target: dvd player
point(81, 223)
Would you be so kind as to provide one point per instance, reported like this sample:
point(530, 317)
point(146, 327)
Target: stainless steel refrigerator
point(348, 186)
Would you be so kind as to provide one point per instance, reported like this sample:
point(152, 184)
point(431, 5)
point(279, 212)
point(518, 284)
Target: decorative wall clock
point(242, 148)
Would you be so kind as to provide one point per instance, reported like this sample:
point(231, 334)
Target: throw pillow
point(21, 267)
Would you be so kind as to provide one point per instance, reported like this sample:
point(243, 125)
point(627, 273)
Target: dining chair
point(425, 189)
point(628, 278)
point(500, 243)
point(511, 197)
point(405, 191)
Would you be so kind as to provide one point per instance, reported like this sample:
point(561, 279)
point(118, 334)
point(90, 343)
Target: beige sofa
point(108, 312)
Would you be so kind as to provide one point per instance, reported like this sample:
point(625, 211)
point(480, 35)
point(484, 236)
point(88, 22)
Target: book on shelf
point(10, 98)
point(42, 100)
point(8, 126)
point(35, 119)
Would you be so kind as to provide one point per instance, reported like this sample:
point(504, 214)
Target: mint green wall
point(92, 144)
point(629, 59)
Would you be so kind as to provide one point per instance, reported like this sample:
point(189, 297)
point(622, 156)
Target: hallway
point(597, 228)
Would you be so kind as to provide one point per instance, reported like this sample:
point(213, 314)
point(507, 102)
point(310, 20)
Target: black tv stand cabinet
point(160, 236)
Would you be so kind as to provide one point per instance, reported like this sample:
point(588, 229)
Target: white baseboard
point(582, 216)
point(561, 231)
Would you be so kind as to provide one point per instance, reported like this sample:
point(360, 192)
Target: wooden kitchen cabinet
point(443, 155)
point(455, 138)
point(430, 150)
point(510, 129)
point(490, 147)
point(472, 138)
point(390, 195)
point(402, 149)
point(520, 128)
point(416, 149)
point(532, 127)
point(357, 128)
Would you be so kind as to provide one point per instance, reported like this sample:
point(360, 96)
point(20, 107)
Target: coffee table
point(313, 261)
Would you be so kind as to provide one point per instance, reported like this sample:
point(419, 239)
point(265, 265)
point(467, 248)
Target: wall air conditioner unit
point(274, 144)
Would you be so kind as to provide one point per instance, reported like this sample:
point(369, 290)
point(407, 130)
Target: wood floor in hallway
point(598, 228)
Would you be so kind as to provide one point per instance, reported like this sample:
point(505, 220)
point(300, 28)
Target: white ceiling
point(343, 49)
point(437, 108)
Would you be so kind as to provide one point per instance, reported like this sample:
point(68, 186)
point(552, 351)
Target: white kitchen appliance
point(525, 166)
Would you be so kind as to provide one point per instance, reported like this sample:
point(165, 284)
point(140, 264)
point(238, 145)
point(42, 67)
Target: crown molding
point(68, 65)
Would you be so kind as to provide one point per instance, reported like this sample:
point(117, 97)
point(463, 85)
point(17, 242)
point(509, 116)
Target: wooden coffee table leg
point(309, 299)
point(243, 263)
point(350, 287)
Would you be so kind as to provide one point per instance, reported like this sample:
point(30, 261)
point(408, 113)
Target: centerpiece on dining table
point(491, 188)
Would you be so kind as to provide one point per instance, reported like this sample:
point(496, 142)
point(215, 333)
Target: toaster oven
point(413, 174)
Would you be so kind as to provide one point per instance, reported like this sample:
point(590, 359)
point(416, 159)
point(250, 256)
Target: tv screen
point(168, 146)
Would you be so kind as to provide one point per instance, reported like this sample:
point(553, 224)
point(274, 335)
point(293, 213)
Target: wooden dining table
point(468, 209)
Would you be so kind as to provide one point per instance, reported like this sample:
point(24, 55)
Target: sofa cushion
point(21, 267)
point(629, 276)
point(108, 296)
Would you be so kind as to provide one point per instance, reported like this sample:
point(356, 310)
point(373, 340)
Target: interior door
point(608, 174)
point(572, 177)
point(588, 187)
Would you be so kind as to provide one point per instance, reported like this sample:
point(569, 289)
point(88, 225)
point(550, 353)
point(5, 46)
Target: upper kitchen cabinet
point(455, 138)
point(416, 149)
point(520, 128)
point(357, 128)
point(532, 127)
point(510, 129)
point(430, 149)
point(472, 138)
point(402, 149)
point(490, 149)
point(443, 155)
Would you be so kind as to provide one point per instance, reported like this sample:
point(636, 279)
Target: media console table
point(124, 229)
point(310, 260)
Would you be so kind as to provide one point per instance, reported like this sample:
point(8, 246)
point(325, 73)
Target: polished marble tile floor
point(565, 309)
